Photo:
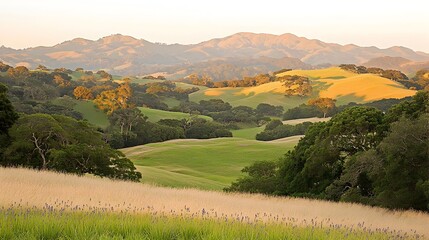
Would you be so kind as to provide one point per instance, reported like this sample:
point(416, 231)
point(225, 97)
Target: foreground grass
point(108, 209)
point(53, 224)
point(205, 164)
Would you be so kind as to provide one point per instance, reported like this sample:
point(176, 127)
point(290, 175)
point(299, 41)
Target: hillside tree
point(324, 104)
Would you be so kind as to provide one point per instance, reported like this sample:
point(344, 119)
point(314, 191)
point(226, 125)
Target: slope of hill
point(129, 56)
point(46, 189)
point(368, 87)
point(92, 114)
point(154, 115)
point(205, 164)
point(250, 96)
point(329, 82)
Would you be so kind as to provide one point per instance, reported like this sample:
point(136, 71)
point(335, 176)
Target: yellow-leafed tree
point(324, 104)
point(83, 93)
point(115, 99)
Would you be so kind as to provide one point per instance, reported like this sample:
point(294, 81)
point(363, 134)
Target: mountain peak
point(118, 38)
point(81, 41)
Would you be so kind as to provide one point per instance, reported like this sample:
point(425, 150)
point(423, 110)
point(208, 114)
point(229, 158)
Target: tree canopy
point(360, 155)
point(64, 144)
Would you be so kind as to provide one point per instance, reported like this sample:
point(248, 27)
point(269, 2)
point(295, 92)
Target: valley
point(243, 136)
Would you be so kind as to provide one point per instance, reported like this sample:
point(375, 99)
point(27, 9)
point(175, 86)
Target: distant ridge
point(399, 63)
point(126, 55)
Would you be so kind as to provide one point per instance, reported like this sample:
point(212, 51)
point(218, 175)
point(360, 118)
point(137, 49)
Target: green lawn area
point(205, 164)
point(248, 133)
point(143, 81)
point(154, 115)
point(94, 115)
point(171, 102)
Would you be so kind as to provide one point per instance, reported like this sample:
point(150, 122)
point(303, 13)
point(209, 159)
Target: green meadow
point(206, 164)
point(154, 115)
point(91, 113)
point(247, 133)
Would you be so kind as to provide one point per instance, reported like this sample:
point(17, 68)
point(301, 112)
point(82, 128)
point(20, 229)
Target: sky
point(383, 23)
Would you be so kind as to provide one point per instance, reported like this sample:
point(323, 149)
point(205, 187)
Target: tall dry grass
point(22, 186)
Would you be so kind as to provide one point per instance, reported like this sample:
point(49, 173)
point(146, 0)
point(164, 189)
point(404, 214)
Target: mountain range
point(230, 57)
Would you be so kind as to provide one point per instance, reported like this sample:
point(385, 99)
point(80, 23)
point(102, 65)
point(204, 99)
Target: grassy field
point(87, 108)
point(47, 205)
point(369, 87)
point(171, 102)
point(247, 133)
point(331, 73)
point(154, 115)
point(246, 97)
point(301, 120)
point(345, 86)
point(94, 115)
point(205, 164)
point(48, 224)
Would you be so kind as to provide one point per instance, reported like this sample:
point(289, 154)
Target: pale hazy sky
point(29, 23)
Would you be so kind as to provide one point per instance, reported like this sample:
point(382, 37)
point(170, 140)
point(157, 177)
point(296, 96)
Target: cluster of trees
point(275, 129)
point(246, 81)
point(304, 111)
point(315, 107)
point(325, 105)
point(36, 91)
point(206, 81)
point(390, 74)
point(159, 77)
point(129, 127)
point(296, 85)
point(422, 79)
point(224, 113)
point(151, 94)
point(199, 80)
point(361, 155)
point(111, 100)
point(198, 128)
point(307, 111)
point(59, 143)
point(169, 89)
point(26, 85)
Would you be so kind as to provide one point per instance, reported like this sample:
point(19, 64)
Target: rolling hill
point(154, 115)
point(205, 164)
point(328, 82)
